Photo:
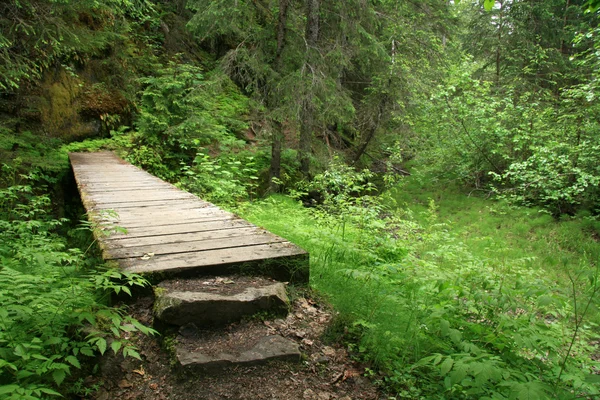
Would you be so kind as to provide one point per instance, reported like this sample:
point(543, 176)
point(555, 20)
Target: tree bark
point(281, 31)
point(307, 108)
point(277, 134)
point(306, 126)
point(500, 37)
point(312, 22)
point(275, 170)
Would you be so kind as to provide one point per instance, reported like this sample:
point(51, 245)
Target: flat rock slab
point(245, 345)
point(148, 226)
point(217, 301)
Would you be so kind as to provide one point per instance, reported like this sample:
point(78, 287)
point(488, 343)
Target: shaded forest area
point(440, 160)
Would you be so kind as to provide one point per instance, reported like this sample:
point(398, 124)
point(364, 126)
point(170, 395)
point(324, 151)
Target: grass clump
point(443, 310)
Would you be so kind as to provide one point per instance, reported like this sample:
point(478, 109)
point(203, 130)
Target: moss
point(58, 111)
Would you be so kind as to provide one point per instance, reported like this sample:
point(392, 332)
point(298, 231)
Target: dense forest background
point(439, 159)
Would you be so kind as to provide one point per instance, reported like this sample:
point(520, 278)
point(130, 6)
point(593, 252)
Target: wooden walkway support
point(149, 226)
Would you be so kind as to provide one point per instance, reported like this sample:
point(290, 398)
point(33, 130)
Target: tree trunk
point(307, 108)
point(277, 135)
point(370, 133)
point(312, 22)
point(563, 49)
point(306, 126)
point(281, 31)
point(275, 170)
point(500, 37)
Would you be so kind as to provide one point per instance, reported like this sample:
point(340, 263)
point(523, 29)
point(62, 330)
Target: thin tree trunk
point(281, 31)
point(275, 170)
point(306, 126)
point(370, 134)
point(277, 135)
point(312, 22)
point(565, 19)
point(498, 52)
point(307, 108)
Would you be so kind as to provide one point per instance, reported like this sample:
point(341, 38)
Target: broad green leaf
point(59, 376)
point(101, 344)
point(50, 392)
point(116, 346)
point(459, 373)
point(73, 361)
point(446, 366)
point(8, 388)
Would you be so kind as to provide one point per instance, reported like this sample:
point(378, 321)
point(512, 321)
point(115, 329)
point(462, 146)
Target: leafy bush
point(225, 179)
point(558, 176)
point(182, 111)
point(51, 316)
point(529, 146)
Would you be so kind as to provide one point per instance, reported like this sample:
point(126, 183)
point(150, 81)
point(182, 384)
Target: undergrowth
point(54, 314)
point(436, 318)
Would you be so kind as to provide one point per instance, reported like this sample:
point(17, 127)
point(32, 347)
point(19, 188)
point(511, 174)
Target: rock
point(328, 351)
point(268, 348)
point(202, 308)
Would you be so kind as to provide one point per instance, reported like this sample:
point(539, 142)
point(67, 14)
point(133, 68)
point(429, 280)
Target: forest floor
point(327, 370)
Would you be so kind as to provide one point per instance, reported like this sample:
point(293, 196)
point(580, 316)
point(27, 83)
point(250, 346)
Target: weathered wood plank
point(181, 232)
point(149, 222)
point(146, 231)
point(188, 247)
point(126, 241)
point(179, 204)
point(138, 198)
point(180, 262)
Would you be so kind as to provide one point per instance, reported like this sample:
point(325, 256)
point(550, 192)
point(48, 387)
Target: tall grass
point(451, 296)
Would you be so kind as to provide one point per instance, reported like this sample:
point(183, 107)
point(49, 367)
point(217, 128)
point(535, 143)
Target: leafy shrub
point(180, 112)
point(51, 316)
point(558, 176)
point(225, 179)
point(531, 147)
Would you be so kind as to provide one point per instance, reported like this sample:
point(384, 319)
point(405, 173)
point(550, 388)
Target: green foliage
point(225, 179)
point(181, 112)
point(52, 317)
point(28, 151)
point(439, 320)
point(558, 176)
point(37, 34)
point(515, 142)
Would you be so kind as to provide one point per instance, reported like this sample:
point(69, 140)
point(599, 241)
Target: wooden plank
point(180, 228)
point(110, 190)
point(165, 214)
point(139, 198)
point(193, 209)
point(229, 232)
point(174, 263)
point(180, 204)
point(187, 247)
point(133, 194)
point(183, 232)
point(151, 222)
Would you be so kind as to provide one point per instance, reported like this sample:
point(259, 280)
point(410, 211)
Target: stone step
point(247, 343)
point(217, 301)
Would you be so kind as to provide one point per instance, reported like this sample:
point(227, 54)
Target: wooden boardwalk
point(150, 226)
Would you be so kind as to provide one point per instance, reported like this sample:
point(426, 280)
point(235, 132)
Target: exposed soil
point(326, 371)
point(215, 341)
point(230, 285)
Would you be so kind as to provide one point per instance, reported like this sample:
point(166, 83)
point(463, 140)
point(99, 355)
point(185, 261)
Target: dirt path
point(325, 372)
